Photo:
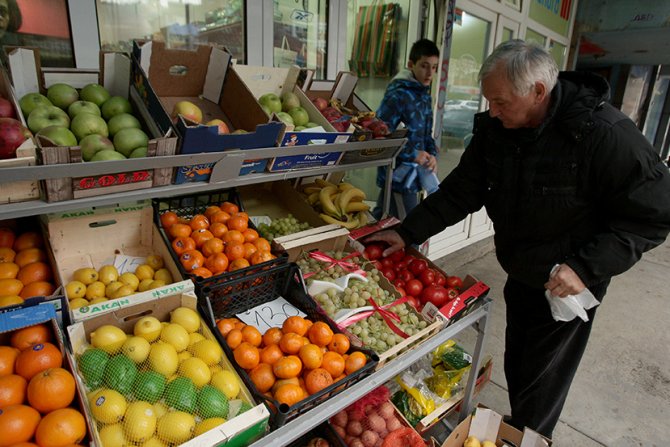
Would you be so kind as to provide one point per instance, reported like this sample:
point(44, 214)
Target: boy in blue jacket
point(407, 100)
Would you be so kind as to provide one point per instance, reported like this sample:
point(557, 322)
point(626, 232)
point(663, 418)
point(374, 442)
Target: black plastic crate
point(190, 205)
point(239, 295)
point(325, 431)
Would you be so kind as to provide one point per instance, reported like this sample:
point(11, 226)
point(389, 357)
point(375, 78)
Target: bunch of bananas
point(337, 204)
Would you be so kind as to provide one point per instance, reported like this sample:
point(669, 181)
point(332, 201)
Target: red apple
point(223, 127)
point(320, 103)
point(6, 109)
point(12, 134)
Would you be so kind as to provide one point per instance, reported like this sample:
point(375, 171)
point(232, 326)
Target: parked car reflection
point(458, 119)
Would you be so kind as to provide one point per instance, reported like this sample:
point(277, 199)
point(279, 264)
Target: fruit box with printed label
point(123, 236)
point(25, 155)
point(264, 80)
point(487, 425)
point(114, 75)
point(202, 77)
point(160, 362)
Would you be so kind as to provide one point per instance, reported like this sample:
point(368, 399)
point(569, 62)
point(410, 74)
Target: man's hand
point(564, 282)
point(389, 236)
point(427, 160)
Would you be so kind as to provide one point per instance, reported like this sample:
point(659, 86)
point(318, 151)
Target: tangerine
point(270, 354)
point(354, 362)
point(29, 239)
point(340, 344)
point(225, 325)
point(249, 250)
point(199, 222)
point(12, 390)
point(36, 271)
point(217, 263)
point(295, 324)
point(272, 336)
point(250, 235)
point(229, 207)
point(238, 264)
point(30, 255)
point(8, 356)
point(212, 247)
point(247, 355)
point(291, 343)
point(334, 363)
point(7, 237)
point(10, 300)
point(220, 217)
point(192, 259)
point(262, 244)
point(211, 210)
point(311, 356)
point(51, 389)
point(218, 229)
point(61, 428)
point(168, 219)
point(10, 287)
point(181, 244)
point(233, 237)
point(37, 288)
point(252, 336)
point(287, 367)
point(179, 230)
point(234, 338)
point(320, 334)
point(235, 250)
point(239, 223)
point(289, 394)
point(317, 379)
point(9, 270)
point(36, 359)
point(201, 236)
point(262, 377)
point(25, 337)
point(202, 272)
point(7, 254)
point(18, 424)
point(261, 256)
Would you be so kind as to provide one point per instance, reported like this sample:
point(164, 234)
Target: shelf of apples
point(102, 125)
point(90, 286)
point(288, 110)
point(12, 132)
point(341, 117)
point(161, 385)
point(281, 227)
point(372, 331)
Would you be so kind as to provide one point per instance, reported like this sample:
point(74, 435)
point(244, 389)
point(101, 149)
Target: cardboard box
point(114, 75)
point(203, 77)
point(26, 154)
point(488, 425)
point(94, 237)
point(240, 430)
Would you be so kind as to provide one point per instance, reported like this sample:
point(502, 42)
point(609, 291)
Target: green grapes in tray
point(281, 227)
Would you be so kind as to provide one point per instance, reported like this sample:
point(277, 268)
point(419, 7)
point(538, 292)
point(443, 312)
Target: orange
point(225, 325)
point(10, 300)
point(192, 259)
point(287, 367)
point(270, 354)
point(37, 271)
point(252, 336)
point(37, 288)
point(217, 263)
point(229, 207)
point(261, 256)
point(201, 236)
point(30, 255)
point(60, 428)
point(262, 377)
point(181, 244)
point(247, 355)
point(220, 217)
point(233, 236)
point(242, 214)
point(291, 343)
point(211, 210)
point(51, 389)
point(218, 229)
point(333, 363)
point(250, 235)
point(239, 223)
point(249, 250)
point(262, 244)
point(9, 270)
point(7, 254)
point(10, 287)
point(212, 247)
point(238, 264)
point(168, 219)
point(320, 334)
point(295, 324)
point(354, 362)
point(234, 338)
point(311, 356)
point(12, 390)
point(7, 237)
point(272, 336)
point(202, 272)
point(26, 337)
point(289, 394)
point(36, 359)
point(179, 230)
point(340, 344)
point(29, 239)
point(317, 379)
point(17, 424)
point(8, 356)
point(235, 250)
point(199, 222)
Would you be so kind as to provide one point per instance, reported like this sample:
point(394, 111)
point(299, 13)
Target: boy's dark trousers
point(541, 355)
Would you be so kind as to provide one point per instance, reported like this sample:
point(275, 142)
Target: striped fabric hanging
point(375, 40)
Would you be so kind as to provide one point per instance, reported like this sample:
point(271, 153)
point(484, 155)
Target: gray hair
point(525, 64)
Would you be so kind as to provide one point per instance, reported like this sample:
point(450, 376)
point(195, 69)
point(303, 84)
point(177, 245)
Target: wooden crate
point(24, 190)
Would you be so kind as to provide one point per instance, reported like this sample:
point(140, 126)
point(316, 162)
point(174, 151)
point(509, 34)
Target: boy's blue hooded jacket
point(408, 101)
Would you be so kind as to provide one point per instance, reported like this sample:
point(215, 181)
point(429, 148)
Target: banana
point(327, 204)
point(313, 198)
point(311, 189)
point(344, 186)
point(323, 183)
point(350, 223)
point(362, 218)
point(353, 207)
point(346, 196)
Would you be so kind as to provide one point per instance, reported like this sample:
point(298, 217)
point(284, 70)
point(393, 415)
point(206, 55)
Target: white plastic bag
point(566, 309)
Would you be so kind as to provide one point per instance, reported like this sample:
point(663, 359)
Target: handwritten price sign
point(269, 315)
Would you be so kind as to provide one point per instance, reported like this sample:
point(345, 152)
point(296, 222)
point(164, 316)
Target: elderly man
point(568, 181)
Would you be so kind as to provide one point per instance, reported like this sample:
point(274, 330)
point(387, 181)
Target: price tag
point(270, 314)
point(257, 220)
point(125, 264)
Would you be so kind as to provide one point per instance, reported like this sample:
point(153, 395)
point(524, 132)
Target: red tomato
point(405, 275)
point(387, 263)
point(398, 266)
point(452, 292)
point(455, 282)
point(373, 251)
point(389, 273)
point(378, 265)
point(414, 287)
point(427, 277)
point(413, 301)
point(440, 279)
point(437, 295)
point(417, 266)
point(399, 283)
point(397, 256)
point(408, 259)
point(401, 290)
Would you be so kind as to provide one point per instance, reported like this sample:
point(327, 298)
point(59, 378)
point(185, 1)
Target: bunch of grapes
point(282, 227)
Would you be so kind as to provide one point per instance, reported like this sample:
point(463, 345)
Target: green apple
point(271, 101)
point(127, 140)
point(311, 124)
point(94, 93)
point(115, 106)
point(122, 121)
point(108, 155)
point(188, 110)
point(87, 124)
point(299, 128)
point(139, 152)
point(94, 143)
point(62, 95)
point(60, 135)
point(30, 101)
point(45, 116)
point(266, 109)
point(78, 107)
point(299, 115)
point(285, 118)
point(289, 100)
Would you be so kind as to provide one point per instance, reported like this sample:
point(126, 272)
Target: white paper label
point(270, 314)
point(128, 264)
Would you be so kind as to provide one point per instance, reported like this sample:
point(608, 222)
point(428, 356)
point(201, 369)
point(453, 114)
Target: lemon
point(156, 283)
point(188, 318)
point(108, 274)
point(175, 335)
point(196, 370)
point(144, 271)
point(208, 351)
point(78, 302)
point(193, 338)
point(109, 338)
point(207, 425)
point(175, 427)
point(130, 280)
point(163, 275)
point(113, 287)
point(75, 289)
point(155, 262)
point(86, 275)
point(227, 382)
point(145, 285)
point(148, 328)
point(160, 409)
point(122, 291)
point(139, 423)
point(215, 369)
point(98, 300)
point(112, 436)
point(153, 442)
point(136, 349)
point(95, 290)
point(107, 406)
point(163, 359)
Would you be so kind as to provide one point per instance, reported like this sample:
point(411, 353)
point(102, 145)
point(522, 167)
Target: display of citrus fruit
point(92, 365)
point(107, 406)
point(180, 394)
point(120, 374)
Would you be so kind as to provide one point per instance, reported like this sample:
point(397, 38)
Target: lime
point(175, 335)
point(237, 406)
point(149, 386)
point(107, 406)
point(181, 395)
point(120, 374)
point(212, 403)
point(175, 427)
point(207, 425)
point(136, 348)
point(187, 318)
point(246, 406)
point(163, 359)
point(227, 382)
point(208, 351)
point(196, 370)
point(139, 423)
point(109, 338)
point(92, 366)
point(112, 436)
